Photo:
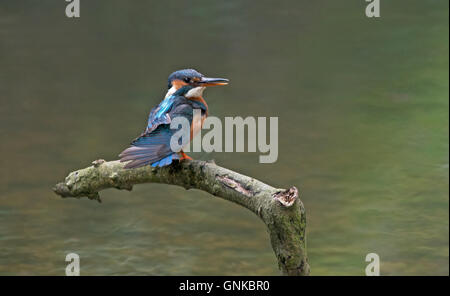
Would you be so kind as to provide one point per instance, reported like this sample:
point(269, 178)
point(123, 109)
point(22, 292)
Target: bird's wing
point(160, 114)
point(154, 144)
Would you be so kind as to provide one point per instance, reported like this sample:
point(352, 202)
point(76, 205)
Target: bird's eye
point(187, 80)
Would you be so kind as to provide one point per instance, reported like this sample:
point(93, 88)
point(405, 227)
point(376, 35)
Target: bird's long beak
point(213, 81)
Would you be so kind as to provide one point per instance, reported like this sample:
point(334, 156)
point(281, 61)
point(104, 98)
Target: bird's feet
point(184, 156)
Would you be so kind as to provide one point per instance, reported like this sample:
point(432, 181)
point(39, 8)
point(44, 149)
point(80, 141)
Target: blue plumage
point(153, 145)
point(163, 162)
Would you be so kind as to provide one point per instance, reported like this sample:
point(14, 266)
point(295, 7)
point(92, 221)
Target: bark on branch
point(281, 210)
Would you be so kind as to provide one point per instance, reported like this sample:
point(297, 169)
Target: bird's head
point(191, 83)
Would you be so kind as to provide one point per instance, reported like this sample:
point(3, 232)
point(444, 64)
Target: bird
point(185, 93)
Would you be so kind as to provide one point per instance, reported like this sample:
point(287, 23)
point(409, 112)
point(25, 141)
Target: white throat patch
point(195, 92)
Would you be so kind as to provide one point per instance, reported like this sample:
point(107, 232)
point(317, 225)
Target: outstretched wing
point(153, 146)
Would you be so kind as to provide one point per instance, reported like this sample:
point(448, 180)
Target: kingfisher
point(185, 93)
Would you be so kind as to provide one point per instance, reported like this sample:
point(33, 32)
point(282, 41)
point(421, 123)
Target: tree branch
point(281, 210)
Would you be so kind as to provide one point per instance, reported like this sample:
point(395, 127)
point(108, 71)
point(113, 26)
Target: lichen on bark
point(281, 210)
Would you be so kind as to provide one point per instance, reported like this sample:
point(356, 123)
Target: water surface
point(363, 113)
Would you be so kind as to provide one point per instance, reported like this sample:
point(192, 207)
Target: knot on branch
point(287, 197)
point(94, 196)
point(236, 185)
point(62, 190)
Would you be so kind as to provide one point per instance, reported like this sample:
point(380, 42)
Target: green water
point(363, 114)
